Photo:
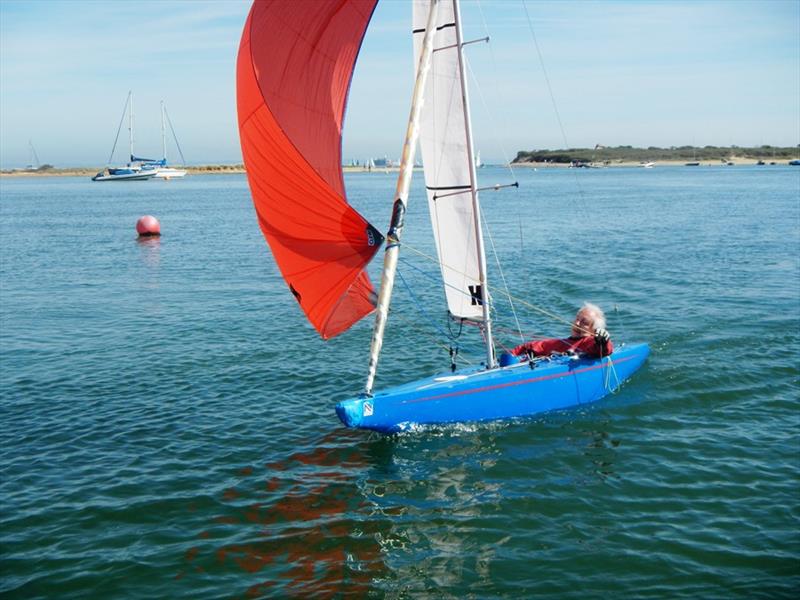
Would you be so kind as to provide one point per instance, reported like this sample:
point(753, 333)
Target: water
point(168, 426)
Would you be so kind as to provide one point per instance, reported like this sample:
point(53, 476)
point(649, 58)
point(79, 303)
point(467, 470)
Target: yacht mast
point(130, 125)
point(401, 197)
point(163, 135)
point(473, 182)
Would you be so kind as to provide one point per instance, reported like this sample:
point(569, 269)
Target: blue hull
point(474, 394)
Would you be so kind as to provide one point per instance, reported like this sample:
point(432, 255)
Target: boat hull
point(169, 173)
point(474, 395)
point(136, 176)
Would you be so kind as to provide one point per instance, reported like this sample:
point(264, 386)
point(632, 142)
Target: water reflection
point(150, 250)
point(438, 488)
point(600, 450)
point(302, 528)
point(409, 514)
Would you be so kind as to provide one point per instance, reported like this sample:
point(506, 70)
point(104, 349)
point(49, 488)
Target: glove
point(601, 337)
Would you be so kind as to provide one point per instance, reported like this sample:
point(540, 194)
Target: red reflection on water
point(222, 520)
point(305, 534)
point(259, 589)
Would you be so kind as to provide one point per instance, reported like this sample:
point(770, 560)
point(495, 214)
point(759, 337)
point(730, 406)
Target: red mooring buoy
point(148, 226)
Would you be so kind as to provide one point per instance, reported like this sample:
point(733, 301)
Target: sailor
point(589, 337)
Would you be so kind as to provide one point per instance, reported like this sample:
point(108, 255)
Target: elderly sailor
point(589, 337)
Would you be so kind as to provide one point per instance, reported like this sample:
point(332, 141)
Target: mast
point(130, 124)
point(34, 158)
point(473, 182)
point(401, 198)
point(163, 136)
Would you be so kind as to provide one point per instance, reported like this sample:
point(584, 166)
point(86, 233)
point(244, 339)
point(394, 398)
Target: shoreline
point(90, 172)
point(656, 163)
point(239, 169)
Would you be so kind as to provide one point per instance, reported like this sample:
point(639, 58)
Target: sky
point(639, 73)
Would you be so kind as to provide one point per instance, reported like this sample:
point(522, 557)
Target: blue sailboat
point(133, 171)
point(291, 92)
point(481, 394)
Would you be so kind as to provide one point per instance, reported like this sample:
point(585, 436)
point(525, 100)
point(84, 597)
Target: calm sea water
point(167, 414)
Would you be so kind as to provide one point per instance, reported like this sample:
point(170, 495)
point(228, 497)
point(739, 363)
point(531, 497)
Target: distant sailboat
point(133, 171)
point(33, 162)
point(163, 171)
point(290, 127)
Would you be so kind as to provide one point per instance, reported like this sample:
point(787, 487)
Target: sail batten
point(294, 69)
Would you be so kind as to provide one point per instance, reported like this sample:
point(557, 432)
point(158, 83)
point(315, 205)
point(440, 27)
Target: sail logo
point(374, 237)
point(367, 409)
point(476, 292)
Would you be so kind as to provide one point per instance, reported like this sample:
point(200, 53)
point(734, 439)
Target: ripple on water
point(168, 425)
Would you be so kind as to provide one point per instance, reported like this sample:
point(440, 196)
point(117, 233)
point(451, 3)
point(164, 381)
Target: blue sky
point(639, 73)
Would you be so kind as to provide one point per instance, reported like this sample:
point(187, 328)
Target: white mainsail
point(447, 159)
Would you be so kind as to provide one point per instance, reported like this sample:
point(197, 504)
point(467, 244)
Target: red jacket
point(583, 345)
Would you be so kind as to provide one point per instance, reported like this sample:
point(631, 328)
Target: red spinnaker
point(295, 64)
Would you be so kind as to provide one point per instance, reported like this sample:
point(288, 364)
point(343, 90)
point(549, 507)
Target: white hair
point(598, 317)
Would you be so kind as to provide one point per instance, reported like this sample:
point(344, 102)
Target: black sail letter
point(476, 291)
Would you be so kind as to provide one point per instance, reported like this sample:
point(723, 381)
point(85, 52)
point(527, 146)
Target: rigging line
point(581, 194)
point(486, 106)
point(533, 307)
point(528, 336)
point(121, 120)
point(415, 326)
point(502, 274)
point(175, 137)
point(547, 313)
point(550, 91)
point(424, 313)
point(546, 77)
point(437, 279)
point(503, 149)
point(434, 278)
point(442, 265)
point(607, 378)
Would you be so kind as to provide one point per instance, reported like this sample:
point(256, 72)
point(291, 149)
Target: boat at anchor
point(133, 171)
point(162, 169)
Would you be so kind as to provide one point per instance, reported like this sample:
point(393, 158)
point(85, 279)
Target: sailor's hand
point(601, 337)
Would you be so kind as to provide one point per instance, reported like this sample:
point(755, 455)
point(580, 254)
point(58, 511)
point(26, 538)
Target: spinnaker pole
point(473, 182)
point(401, 197)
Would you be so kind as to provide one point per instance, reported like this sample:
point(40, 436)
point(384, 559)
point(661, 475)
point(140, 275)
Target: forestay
point(447, 158)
